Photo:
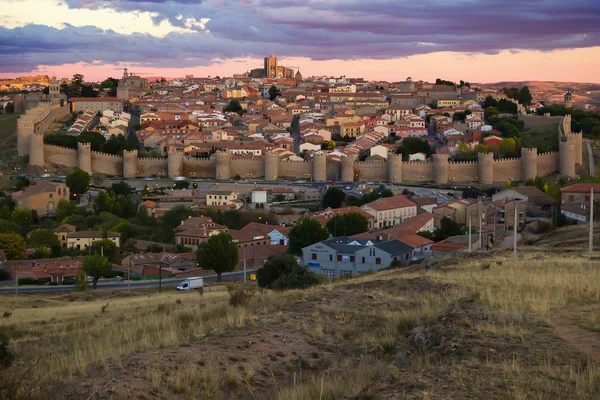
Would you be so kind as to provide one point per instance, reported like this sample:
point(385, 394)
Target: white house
point(379, 150)
point(417, 157)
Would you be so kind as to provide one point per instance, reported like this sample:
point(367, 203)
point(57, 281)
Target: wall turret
point(348, 168)
point(568, 99)
point(566, 156)
point(529, 163)
point(130, 164)
point(440, 168)
point(485, 168)
point(84, 157)
point(24, 131)
point(174, 163)
point(36, 149)
point(319, 167)
point(395, 168)
point(271, 166)
point(223, 170)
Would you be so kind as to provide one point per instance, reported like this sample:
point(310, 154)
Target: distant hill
point(553, 92)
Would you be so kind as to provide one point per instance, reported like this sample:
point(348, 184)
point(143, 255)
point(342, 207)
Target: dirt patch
point(584, 340)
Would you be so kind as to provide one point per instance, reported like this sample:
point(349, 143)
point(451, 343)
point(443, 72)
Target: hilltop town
point(400, 233)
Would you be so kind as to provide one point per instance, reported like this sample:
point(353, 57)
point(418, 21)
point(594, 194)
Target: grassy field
point(8, 126)
point(481, 326)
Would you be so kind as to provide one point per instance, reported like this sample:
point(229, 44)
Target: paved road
point(121, 285)
point(591, 159)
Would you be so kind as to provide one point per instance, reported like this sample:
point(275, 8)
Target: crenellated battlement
point(106, 155)
point(378, 163)
point(462, 162)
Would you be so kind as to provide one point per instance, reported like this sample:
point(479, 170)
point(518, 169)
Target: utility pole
point(16, 279)
point(129, 273)
point(244, 265)
point(591, 244)
point(469, 222)
point(479, 217)
point(515, 228)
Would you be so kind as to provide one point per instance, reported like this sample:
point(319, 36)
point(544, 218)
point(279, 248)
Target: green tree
point(274, 267)
point(233, 106)
point(448, 227)
point(273, 93)
point(77, 80)
point(78, 182)
point(508, 147)
point(525, 96)
point(106, 247)
point(41, 238)
point(9, 108)
point(121, 188)
point(96, 266)
point(334, 197)
point(219, 253)
point(305, 232)
point(13, 245)
point(133, 141)
point(64, 208)
point(348, 224)
point(8, 226)
point(5, 212)
point(300, 277)
point(22, 217)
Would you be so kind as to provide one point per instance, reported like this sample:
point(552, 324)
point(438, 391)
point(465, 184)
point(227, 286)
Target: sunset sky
point(474, 40)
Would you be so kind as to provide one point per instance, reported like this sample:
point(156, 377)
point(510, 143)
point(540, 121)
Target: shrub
point(4, 275)
point(29, 281)
point(6, 357)
point(395, 264)
point(300, 277)
point(275, 267)
point(240, 294)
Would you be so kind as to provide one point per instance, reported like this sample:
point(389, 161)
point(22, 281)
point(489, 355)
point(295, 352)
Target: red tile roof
point(391, 203)
point(581, 188)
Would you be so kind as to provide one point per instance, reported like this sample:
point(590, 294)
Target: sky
point(474, 40)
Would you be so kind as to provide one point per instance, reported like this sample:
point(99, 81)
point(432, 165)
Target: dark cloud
point(321, 30)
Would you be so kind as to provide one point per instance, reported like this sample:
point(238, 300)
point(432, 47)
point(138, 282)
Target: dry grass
point(486, 334)
point(590, 320)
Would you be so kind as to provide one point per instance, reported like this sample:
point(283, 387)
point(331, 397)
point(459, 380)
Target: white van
point(191, 284)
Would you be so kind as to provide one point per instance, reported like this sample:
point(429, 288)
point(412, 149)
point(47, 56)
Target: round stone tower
point(130, 163)
point(568, 99)
point(223, 171)
point(440, 168)
point(395, 168)
point(271, 166)
point(529, 162)
point(319, 167)
point(84, 157)
point(485, 168)
point(348, 168)
point(24, 132)
point(174, 163)
point(36, 149)
point(566, 155)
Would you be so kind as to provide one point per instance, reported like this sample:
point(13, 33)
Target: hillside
point(486, 326)
point(553, 92)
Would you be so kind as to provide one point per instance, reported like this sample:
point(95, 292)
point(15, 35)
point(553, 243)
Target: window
point(352, 258)
point(339, 257)
point(378, 261)
point(331, 257)
point(363, 260)
point(314, 256)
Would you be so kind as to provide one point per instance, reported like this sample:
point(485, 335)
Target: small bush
point(395, 264)
point(6, 357)
point(240, 294)
point(4, 275)
point(298, 278)
point(29, 281)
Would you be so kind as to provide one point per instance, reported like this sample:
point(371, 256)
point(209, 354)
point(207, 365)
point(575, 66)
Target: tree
point(273, 93)
point(22, 217)
point(64, 208)
point(508, 147)
point(106, 247)
point(305, 232)
point(133, 141)
point(348, 224)
point(121, 188)
point(9, 108)
point(233, 106)
point(334, 197)
point(448, 227)
point(78, 181)
point(13, 245)
point(300, 277)
point(219, 253)
point(88, 91)
point(77, 80)
point(41, 238)
point(525, 96)
point(8, 226)
point(274, 267)
point(327, 145)
point(96, 266)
